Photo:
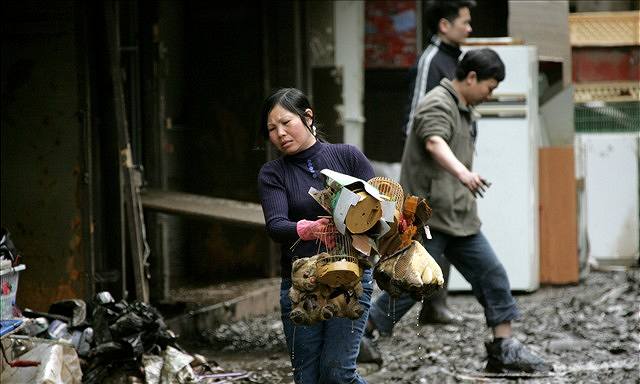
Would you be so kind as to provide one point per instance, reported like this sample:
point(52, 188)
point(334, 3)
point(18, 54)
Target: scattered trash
point(176, 368)
point(8, 250)
point(7, 326)
point(105, 340)
point(29, 313)
point(82, 340)
point(36, 326)
point(58, 330)
point(56, 363)
point(8, 289)
point(75, 310)
point(152, 368)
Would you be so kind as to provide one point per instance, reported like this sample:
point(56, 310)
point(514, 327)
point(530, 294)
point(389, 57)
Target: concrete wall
point(546, 25)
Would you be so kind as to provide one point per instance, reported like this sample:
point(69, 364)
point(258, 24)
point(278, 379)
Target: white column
point(349, 56)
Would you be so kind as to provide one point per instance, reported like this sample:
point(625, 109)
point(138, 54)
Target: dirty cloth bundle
point(313, 301)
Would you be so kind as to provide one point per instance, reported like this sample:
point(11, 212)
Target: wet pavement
point(589, 332)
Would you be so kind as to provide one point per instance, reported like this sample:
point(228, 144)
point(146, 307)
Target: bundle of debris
point(110, 341)
point(367, 220)
point(103, 341)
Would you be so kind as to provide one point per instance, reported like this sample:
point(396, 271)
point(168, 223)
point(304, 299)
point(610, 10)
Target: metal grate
point(600, 117)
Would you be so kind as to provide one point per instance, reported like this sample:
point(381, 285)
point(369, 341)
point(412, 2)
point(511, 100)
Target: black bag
point(8, 251)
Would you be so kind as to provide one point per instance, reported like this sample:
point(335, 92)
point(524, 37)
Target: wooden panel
point(604, 29)
point(605, 64)
point(608, 91)
point(558, 222)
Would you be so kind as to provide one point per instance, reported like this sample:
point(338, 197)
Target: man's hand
point(441, 151)
point(476, 184)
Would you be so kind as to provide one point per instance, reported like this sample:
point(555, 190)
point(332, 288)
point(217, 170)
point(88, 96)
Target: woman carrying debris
point(325, 352)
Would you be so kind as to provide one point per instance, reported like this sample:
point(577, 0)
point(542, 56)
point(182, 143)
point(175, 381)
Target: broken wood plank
point(130, 179)
point(239, 212)
point(558, 224)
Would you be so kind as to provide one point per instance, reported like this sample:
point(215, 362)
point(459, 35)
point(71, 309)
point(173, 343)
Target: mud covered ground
point(590, 332)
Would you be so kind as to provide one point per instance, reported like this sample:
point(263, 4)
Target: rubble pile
point(103, 341)
point(124, 334)
point(113, 341)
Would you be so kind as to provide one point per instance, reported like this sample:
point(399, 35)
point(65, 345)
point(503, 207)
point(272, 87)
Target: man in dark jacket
point(449, 22)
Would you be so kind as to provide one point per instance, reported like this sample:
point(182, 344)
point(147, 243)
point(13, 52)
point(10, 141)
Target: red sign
point(390, 35)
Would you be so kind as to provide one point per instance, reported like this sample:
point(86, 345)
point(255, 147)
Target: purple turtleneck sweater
point(284, 185)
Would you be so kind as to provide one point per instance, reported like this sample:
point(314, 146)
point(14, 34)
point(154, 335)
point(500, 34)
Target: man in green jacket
point(437, 164)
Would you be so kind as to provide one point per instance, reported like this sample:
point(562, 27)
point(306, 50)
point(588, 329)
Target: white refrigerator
point(507, 156)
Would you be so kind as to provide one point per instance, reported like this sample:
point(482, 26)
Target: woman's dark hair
point(436, 10)
point(484, 62)
point(291, 99)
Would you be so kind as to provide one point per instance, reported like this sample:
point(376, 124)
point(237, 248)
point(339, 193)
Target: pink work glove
point(317, 229)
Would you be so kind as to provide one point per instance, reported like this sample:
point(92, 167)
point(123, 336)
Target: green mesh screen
point(607, 117)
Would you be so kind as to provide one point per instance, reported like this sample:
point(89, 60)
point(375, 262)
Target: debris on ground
point(103, 342)
point(590, 332)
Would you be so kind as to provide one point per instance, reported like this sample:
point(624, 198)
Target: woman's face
point(287, 132)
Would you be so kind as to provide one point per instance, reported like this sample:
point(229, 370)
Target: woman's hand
point(316, 230)
point(311, 230)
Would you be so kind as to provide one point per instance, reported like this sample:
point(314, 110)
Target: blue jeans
point(325, 352)
point(474, 258)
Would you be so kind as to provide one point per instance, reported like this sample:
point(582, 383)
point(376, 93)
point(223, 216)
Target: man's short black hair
point(484, 62)
point(435, 10)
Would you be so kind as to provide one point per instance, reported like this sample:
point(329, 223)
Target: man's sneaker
point(369, 352)
point(510, 355)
